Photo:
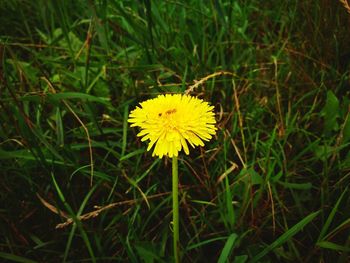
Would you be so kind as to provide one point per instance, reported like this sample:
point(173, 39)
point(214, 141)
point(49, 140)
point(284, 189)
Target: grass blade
point(330, 217)
point(333, 246)
point(15, 258)
point(286, 236)
point(226, 251)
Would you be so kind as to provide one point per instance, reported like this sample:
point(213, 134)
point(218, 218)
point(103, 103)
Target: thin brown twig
point(281, 129)
point(240, 122)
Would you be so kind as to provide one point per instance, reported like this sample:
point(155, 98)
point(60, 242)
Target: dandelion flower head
point(171, 121)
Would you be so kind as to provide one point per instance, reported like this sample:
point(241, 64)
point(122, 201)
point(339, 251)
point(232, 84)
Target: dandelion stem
point(176, 211)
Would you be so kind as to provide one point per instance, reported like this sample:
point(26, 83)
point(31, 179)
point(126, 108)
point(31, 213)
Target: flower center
point(167, 116)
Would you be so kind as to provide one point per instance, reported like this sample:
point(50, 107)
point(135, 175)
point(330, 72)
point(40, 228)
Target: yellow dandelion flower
point(170, 121)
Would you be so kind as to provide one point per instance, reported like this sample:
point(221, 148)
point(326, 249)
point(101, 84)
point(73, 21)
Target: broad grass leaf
point(330, 112)
point(226, 251)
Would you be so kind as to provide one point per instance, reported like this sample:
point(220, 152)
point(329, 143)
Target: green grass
point(270, 187)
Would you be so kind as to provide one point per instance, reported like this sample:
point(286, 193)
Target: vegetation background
point(77, 185)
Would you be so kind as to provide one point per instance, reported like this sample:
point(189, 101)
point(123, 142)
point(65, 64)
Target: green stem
point(176, 211)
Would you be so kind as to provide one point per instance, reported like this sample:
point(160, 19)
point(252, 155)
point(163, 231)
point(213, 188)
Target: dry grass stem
point(346, 5)
point(94, 213)
point(197, 83)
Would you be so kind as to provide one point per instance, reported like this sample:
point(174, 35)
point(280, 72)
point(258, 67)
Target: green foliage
point(331, 113)
point(226, 251)
point(270, 187)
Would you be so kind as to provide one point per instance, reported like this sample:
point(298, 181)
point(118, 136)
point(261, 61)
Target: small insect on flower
point(171, 121)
